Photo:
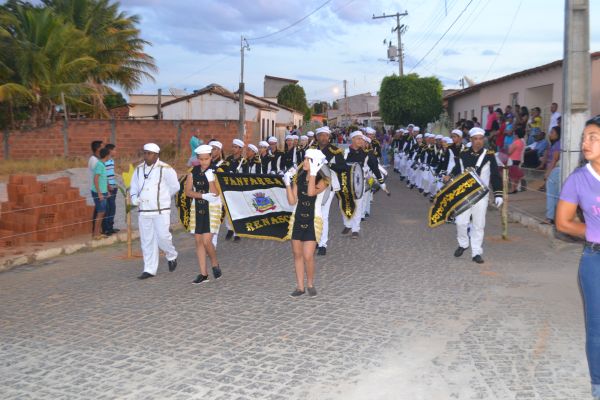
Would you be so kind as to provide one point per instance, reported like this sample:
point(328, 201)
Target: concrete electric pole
point(241, 124)
point(399, 29)
point(576, 83)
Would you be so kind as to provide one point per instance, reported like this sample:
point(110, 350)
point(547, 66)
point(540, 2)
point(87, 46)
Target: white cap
point(295, 137)
point(367, 139)
point(410, 126)
point(370, 131)
point(289, 137)
point(262, 143)
point(357, 133)
point(153, 147)
point(416, 128)
point(310, 134)
point(217, 144)
point(427, 135)
point(457, 132)
point(315, 155)
point(303, 138)
point(203, 149)
point(323, 129)
point(238, 142)
point(419, 136)
point(273, 139)
point(476, 132)
point(448, 140)
point(253, 148)
point(438, 137)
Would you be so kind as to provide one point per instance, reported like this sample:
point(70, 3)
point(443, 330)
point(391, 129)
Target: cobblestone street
point(397, 317)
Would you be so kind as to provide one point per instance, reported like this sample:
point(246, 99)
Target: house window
point(262, 131)
point(472, 114)
point(514, 99)
point(273, 128)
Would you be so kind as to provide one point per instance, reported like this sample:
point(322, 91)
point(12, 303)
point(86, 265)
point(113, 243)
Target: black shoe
point(229, 235)
point(200, 279)
point(312, 292)
point(115, 230)
point(297, 293)
point(346, 231)
point(420, 190)
point(367, 215)
point(411, 186)
point(478, 259)
point(108, 233)
point(401, 178)
point(217, 272)
point(237, 238)
point(362, 219)
point(321, 251)
point(459, 252)
point(145, 275)
point(172, 265)
point(355, 235)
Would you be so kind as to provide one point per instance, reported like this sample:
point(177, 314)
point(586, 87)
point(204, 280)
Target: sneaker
point(297, 293)
point(237, 238)
point(346, 231)
point(229, 235)
point(145, 275)
point(367, 215)
point(200, 279)
point(478, 259)
point(354, 235)
point(362, 219)
point(312, 292)
point(172, 265)
point(459, 252)
point(217, 272)
point(321, 251)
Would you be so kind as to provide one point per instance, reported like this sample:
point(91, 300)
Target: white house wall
point(208, 107)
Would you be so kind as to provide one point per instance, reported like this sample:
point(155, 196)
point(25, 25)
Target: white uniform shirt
point(553, 120)
point(153, 187)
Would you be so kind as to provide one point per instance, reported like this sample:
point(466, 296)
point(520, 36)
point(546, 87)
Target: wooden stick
point(505, 203)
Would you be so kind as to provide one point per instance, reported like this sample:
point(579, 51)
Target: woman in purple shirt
point(582, 189)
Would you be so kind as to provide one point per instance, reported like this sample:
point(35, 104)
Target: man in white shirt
point(554, 117)
point(96, 145)
point(153, 185)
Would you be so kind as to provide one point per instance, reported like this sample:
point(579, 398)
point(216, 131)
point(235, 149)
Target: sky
point(197, 42)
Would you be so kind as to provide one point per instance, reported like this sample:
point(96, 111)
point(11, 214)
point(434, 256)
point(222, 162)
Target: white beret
point(416, 129)
point(355, 134)
point(272, 139)
point(217, 144)
point(289, 137)
point(323, 129)
point(262, 143)
point(367, 139)
point(203, 149)
point(457, 132)
point(370, 131)
point(438, 137)
point(410, 126)
point(315, 155)
point(152, 147)
point(428, 135)
point(476, 132)
point(419, 136)
point(238, 142)
point(295, 137)
point(310, 134)
point(253, 148)
point(303, 137)
point(448, 140)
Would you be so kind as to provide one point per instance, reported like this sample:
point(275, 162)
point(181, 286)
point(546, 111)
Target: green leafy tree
point(410, 99)
point(293, 96)
point(114, 100)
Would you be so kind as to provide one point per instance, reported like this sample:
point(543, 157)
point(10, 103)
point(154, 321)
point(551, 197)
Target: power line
point(438, 41)
point(293, 24)
point(504, 40)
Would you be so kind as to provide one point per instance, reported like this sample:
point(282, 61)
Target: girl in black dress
point(205, 215)
point(306, 224)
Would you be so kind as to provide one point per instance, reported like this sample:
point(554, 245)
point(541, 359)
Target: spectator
point(516, 113)
point(108, 222)
point(100, 191)
point(515, 154)
point(581, 190)
point(554, 117)
point(492, 116)
point(508, 138)
point(523, 118)
point(195, 142)
point(96, 145)
point(476, 122)
point(552, 175)
point(535, 124)
point(535, 151)
point(508, 113)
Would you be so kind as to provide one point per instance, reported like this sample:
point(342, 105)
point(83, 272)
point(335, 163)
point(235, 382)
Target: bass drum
point(358, 180)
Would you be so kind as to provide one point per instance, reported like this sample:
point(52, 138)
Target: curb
point(547, 230)
point(72, 248)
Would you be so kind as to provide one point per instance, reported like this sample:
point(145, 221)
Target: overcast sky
point(197, 42)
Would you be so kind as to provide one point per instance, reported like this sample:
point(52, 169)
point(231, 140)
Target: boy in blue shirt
point(111, 201)
point(100, 191)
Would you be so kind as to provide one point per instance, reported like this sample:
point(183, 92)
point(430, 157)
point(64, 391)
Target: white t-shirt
point(91, 166)
point(553, 120)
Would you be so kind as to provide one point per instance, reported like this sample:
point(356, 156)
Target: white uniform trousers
point(354, 222)
point(478, 225)
point(325, 217)
point(397, 162)
point(367, 203)
point(155, 234)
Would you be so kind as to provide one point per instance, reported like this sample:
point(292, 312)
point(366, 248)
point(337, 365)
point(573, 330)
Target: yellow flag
point(127, 176)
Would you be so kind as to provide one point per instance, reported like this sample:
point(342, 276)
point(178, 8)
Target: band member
point(234, 163)
point(276, 154)
point(253, 164)
point(216, 154)
point(205, 214)
point(484, 163)
point(311, 139)
point(336, 162)
point(306, 194)
point(291, 158)
point(264, 157)
point(375, 145)
point(153, 185)
point(356, 154)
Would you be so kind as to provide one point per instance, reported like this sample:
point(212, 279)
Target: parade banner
point(256, 205)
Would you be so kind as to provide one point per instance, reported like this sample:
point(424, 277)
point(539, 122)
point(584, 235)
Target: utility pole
point(399, 29)
point(159, 105)
point(242, 121)
point(576, 82)
point(345, 99)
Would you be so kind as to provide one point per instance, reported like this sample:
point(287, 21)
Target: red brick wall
point(130, 136)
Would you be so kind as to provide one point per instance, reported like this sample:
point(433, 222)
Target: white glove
point(287, 179)
point(498, 201)
point(314, 167)
point(210, 176)
point(210, 197)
